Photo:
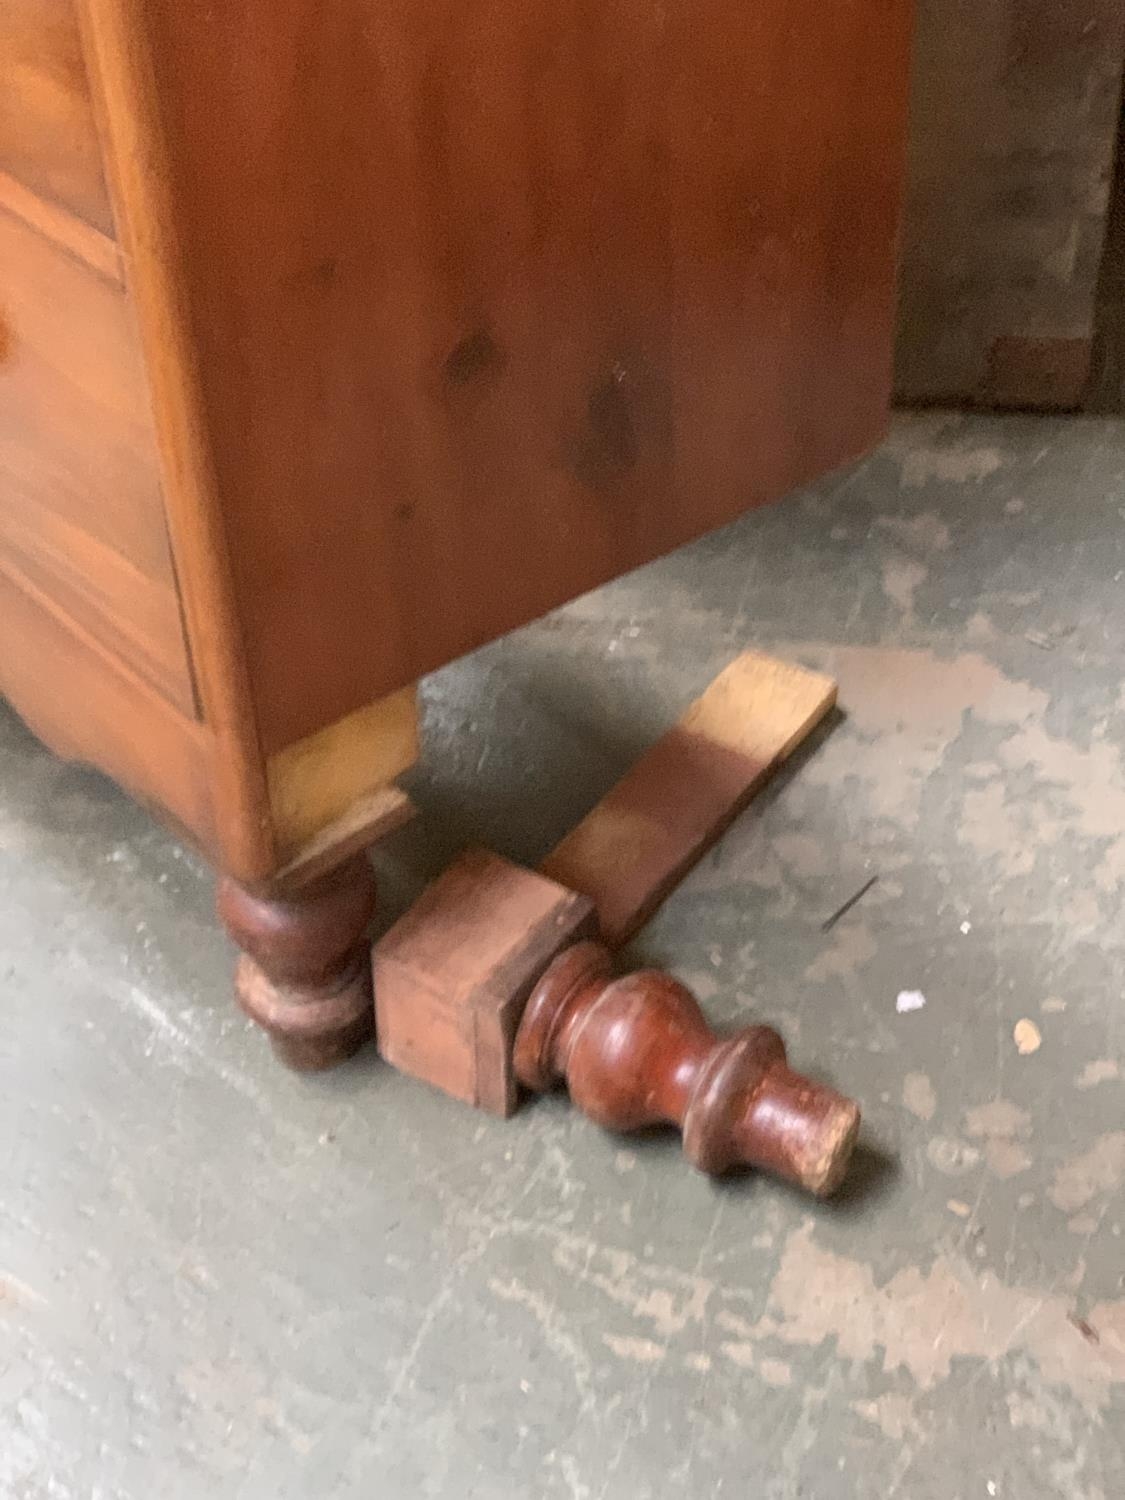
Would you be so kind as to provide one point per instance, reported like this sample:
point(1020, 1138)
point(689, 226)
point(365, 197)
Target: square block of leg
point(453, 975)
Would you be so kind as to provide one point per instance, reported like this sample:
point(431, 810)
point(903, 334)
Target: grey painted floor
point(220, 1280)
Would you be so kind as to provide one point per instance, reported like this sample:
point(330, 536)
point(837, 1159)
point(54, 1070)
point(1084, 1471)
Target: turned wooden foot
point(638, 1051)
point(305, 970)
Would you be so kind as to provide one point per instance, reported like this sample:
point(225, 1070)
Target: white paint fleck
point(926, 533)
point(999, 1119)
point(1002, 1125)
point(1101, 1169)
point(640, 1351)
point(918, 1096)
point(742, 1355)
point(966, 928)
point(11, 1287)
point(923, 1320)
point(556, 1335)
point(902, 578)
point(852, 946)
point(951, 1158)
point(1104, 1070)
point(892, 1413)
point(953, 465)
point(1028, 1037)
point(909, 1000)
point(776, 1372)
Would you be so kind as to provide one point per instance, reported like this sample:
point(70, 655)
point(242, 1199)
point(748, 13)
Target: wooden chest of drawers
point(338, 337)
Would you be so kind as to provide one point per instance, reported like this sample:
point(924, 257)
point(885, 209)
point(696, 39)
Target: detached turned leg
point(491, 979)
point(637, 1051)
point(305, 970)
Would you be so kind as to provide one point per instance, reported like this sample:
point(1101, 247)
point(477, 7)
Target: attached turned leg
point(305, 970)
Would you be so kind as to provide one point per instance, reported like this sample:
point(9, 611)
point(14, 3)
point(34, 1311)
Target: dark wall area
point(1015, 111)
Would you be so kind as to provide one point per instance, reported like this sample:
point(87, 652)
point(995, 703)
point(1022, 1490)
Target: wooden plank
point(365, 823)
point(666, 812)
point(581, 283)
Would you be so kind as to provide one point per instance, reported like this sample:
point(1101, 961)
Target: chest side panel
point(494, 301)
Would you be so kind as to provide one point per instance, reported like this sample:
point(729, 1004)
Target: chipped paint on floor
point(216, 1278)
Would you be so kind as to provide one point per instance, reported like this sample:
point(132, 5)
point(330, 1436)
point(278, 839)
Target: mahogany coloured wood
point(305, 972)
point(490, 303)
point(637, 1051)
point(453, 974)
point(48, 139)
point(490, 981)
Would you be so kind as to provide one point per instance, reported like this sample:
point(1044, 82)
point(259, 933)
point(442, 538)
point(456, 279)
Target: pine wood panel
point(490, 303)
point(118, 50)
point(82, 703)
point(81, 515)
point(47, 134)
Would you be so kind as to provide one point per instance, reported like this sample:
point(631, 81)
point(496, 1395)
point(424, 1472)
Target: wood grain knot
point(476, 358)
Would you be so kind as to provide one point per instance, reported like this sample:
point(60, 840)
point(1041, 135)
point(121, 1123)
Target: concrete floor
point(221, 1280)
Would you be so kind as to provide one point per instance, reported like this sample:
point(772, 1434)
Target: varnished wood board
point(517, 296)
point(661, 818)
point(48, 138)
point(81, 513)
point(88, 707)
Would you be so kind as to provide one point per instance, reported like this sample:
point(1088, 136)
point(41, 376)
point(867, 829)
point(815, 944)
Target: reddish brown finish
point(305, 974)
point(637, 1051)
point(452, 976)
point(669, 808)
point(453, 979)
point(489, 303)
